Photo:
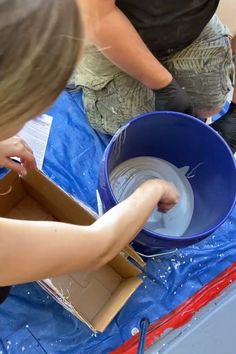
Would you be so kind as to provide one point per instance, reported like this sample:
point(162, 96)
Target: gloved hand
point(226, 127)
point(172, 98)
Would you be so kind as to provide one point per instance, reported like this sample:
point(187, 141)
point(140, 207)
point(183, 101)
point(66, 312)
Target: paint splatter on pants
point(204, 69)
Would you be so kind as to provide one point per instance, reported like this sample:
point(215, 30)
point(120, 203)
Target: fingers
point(164, 208)
point(28, 148)
point(171, 195)
point(169, 198)
point(28, 160)
point(24, 152)
point(15, 166)
point(17, 147)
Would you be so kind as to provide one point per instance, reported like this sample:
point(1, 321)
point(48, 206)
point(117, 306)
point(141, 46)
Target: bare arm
point(111, 31)
point(36, 250)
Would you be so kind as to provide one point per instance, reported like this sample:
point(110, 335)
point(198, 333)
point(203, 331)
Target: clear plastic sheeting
point(32, 322)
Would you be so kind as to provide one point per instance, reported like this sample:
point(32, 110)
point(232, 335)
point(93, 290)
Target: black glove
point(172, 98)
point(226, 127)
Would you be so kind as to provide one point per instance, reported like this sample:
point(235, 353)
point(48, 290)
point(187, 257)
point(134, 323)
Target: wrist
point(161, 81)
point(154, 187)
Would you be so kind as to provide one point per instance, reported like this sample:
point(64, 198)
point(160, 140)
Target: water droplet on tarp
point(134, 331)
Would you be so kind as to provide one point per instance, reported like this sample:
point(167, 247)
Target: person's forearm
point(112, 33)
point(32, 250)
point(122, 223)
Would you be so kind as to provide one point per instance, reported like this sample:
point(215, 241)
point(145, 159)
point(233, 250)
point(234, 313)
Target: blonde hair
point(40, 42)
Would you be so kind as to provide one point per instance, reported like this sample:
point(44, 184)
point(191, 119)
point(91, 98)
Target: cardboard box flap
point(125, 290)
point(130, 252)
point(94, 297)
point(11, 192)
point(63, 301)
point(61, 205)
point(124, 267)
point(87, 301)
point(29, 209)
point(106, 276)
point(90, 291)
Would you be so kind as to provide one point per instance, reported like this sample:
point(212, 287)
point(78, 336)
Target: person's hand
point(226, 127)
point(173, 98)
point(16, 147)
point(170, 196)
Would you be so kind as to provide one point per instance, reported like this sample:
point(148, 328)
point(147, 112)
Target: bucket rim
point(107, 154)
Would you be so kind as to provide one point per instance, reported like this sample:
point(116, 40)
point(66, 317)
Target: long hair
point(40, 43)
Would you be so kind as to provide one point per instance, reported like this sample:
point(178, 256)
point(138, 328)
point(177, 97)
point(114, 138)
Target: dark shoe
point(226, 127)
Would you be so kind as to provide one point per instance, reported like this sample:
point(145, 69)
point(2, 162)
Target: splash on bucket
point(127, 176)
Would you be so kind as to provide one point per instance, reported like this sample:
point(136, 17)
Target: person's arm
point(113, 34)
point(31, 250)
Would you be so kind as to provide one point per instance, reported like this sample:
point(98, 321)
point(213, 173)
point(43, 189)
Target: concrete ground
point(211, 331)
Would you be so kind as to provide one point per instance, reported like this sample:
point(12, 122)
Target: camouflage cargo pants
point(204, 69)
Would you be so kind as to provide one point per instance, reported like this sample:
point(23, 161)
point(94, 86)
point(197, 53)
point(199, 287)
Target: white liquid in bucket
point(127, 176)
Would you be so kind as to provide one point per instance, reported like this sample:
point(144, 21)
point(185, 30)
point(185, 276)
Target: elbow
point(104, 251)
point(101, 260)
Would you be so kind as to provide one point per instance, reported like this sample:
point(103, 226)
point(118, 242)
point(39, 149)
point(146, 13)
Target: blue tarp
point(32, 322)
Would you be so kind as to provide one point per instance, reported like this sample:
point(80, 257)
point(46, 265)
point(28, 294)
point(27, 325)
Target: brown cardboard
point(94, 297)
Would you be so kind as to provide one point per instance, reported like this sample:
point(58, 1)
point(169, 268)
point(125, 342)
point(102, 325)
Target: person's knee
point(116, 103)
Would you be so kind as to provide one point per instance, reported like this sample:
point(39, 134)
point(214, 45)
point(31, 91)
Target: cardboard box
point(93, 297)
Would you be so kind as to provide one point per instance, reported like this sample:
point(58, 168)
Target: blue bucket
point(183, 141)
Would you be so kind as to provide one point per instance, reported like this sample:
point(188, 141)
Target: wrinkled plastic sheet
point(32, 322)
